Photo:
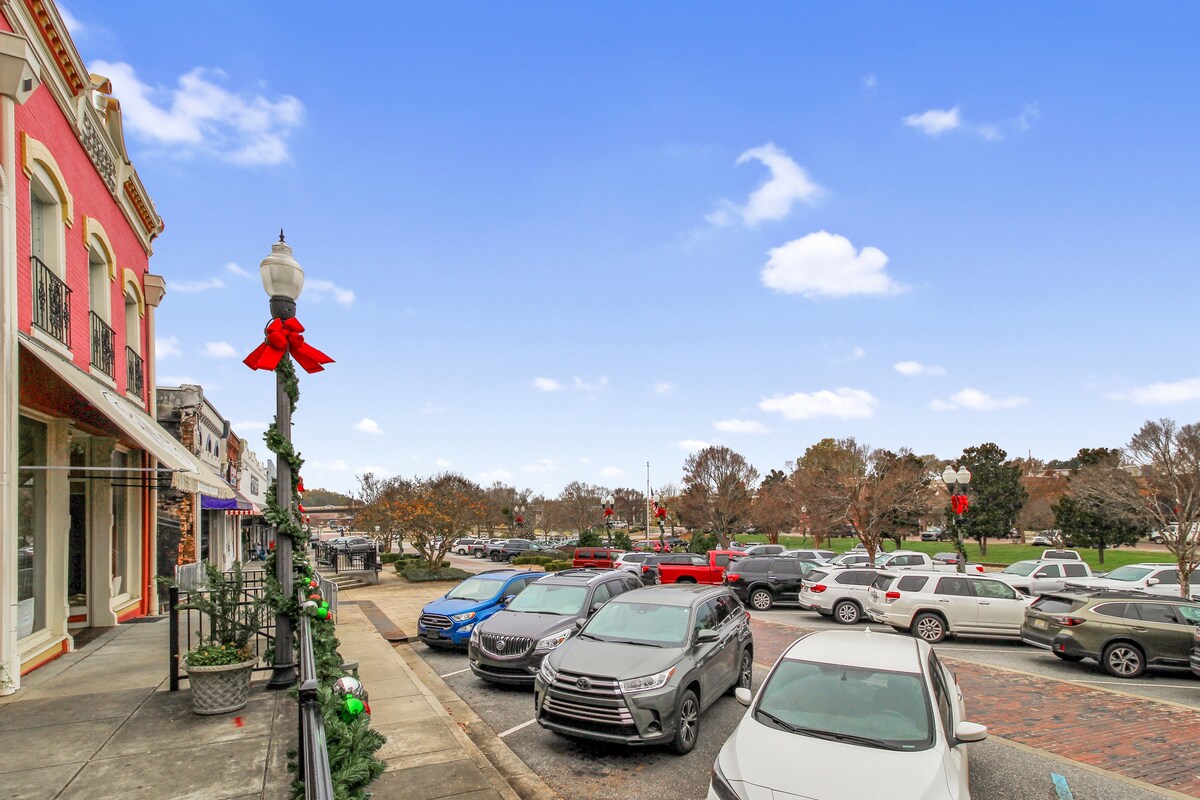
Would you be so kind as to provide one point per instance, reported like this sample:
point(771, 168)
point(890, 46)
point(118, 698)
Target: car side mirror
point(743, 696)
point(580, 622)
point(1152, 581)
point(705, 635)
point(969, 732)
point(508, 598)
point(595, 607)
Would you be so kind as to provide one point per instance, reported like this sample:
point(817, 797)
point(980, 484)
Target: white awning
point(189, 473)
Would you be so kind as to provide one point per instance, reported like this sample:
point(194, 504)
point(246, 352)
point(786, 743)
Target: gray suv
point(508, 647)
point(645, 665)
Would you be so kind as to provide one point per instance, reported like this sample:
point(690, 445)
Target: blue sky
point(549, 242)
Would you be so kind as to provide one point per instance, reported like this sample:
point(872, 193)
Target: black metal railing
point(135, 372)
point(104, 353)
point(338, 559)
point(312, 755)
point(187, 624)
point(51, 302)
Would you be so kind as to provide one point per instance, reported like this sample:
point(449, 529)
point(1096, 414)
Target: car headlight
point(547, 672)
point(463, 617)
point(724, 788)
point(647, 682)
point(553, 640)
point(474, 633)
point(466, 628)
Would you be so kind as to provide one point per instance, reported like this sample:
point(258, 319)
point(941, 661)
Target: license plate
point(1040, 623)
point(433, 634)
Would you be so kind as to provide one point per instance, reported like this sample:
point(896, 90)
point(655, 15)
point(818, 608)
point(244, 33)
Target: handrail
point(313, 754)
point(51, 301)
point(104, 354)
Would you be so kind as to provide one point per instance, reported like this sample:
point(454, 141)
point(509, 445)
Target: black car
point(762, 581)
point(509, 646)
point(511, 549)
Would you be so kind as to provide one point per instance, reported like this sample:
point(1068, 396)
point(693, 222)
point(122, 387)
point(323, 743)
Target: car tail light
point(1068, 621)
point(978, 568)
point(892, 596)
point(730, 577)
point(820, 587)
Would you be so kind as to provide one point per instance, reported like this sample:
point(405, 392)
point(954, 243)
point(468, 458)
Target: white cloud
point(935, 122)
point(990, 132)
point(740, 426)
point(176, 380)
point(774, 197)
point(583, 386)
point(219, 350)
point(200, 116)
point(843, 403)
point(495, 475)
point(663, 388)
point(431, 407)
point(917, 368)
point(1161, 393)
point(612, 472)
point(196, 286)
point(858, 353)
point(825, 264)
point(318, 290)
point(546, 384)
point(167, 347)
point(331, 466)
point(975, 400)
point(76, 28)
point(541, 465)
point(869, 82)
point(234, 269)
point(368, 425)
point(692, 445)
point(1025, 119)
point(373, 469)
point(443, 463)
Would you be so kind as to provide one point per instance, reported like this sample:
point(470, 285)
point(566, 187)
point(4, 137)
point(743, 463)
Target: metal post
point(284, 668)
point(173, 632)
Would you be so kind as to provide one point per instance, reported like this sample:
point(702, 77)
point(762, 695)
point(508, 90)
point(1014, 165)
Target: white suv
point(933, 605)
point(1042, 577)
point(1155, 578)
point(840, 593)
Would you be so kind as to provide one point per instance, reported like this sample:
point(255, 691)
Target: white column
point(99, 535)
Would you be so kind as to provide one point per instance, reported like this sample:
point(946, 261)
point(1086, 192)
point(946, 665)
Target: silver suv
point(645, 665)
point(933, 605)
point(838, 593)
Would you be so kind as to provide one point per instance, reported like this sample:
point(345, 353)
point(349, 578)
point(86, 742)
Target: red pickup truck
point(708, 568)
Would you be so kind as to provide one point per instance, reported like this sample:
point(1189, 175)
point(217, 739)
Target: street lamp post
point(283, 280)
point(518, 517)
point(956, 483)
point(608, 501)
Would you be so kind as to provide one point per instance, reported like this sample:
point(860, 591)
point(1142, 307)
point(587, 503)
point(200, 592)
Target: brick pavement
point(1139, 738)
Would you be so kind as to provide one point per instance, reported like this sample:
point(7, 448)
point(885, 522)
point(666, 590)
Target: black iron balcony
point(135, 372)
point(51, 302)
point(104, 354)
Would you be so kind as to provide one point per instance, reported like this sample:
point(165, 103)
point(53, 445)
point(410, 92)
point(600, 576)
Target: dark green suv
point(1125, 631)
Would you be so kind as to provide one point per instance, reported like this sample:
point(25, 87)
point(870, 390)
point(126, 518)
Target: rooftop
point(866, 649)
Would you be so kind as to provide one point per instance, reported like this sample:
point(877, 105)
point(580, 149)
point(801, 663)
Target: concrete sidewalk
point(99, 723)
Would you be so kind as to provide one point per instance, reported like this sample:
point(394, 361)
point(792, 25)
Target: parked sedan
point(1155, 578)
point(843, 699)
point(1039, 577)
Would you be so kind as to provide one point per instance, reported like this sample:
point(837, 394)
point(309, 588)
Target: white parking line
point(1127, 683)
point(456, 672)
point(516, 728)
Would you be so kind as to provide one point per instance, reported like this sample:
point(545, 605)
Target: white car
point(1040, 577)
point(1041, 540)
point(816, 556)
point(934, 605)
point(1155, 578)
point(632, 561)
point(851, 559)
point(880, 714)
point(837, 593)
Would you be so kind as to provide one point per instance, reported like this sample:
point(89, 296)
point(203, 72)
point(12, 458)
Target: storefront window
point(120, 528)
point(31, 528)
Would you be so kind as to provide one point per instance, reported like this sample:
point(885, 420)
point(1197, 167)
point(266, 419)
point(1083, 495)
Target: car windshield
point(1022, 568)
point(475, 589)
point(870, 707)
point(546, 598)
point(639, 622)
point(1128, 573)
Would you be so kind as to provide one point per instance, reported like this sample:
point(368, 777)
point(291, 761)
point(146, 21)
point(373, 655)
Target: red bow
point(608, 512)
point(660, 512)
point(958, 503)
point(284, 336)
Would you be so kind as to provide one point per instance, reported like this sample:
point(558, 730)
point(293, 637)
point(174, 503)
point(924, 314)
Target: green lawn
point(997, 553)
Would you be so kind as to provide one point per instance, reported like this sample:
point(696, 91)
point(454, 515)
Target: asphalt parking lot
point(582, 769)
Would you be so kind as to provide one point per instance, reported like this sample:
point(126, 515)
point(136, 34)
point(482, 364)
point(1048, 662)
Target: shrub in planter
point(421, 574)
point(540, 561)
point(555, 566)
point(388, 558)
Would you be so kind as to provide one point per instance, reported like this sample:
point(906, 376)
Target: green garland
point(351, 744)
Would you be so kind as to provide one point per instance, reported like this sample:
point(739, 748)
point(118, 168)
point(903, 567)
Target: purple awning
point(217, 504)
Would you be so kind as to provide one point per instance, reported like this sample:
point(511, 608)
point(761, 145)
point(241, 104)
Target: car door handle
point(1139, 630)
point(984, 603)
point(943, 600)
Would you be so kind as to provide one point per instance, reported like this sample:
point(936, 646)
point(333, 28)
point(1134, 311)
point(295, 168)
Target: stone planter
point(219, 690)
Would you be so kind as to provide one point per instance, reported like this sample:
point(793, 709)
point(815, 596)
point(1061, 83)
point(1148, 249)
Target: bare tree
point(630, 506)
point(1160, 489)
point(776, 507)
point(717, 487)
point(844, 483)
point(580, 505)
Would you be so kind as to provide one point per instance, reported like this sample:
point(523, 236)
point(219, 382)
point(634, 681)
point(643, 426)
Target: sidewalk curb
point(484, 742)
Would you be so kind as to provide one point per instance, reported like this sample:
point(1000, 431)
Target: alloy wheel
point(930, 628)
point(746, 676)
point(689, 721)
point(761, 600)
point(1123, 661)
point(847, 613)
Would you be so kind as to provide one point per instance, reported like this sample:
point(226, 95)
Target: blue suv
point(449, 620)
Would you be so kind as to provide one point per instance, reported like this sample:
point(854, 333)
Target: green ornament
point(351, 708)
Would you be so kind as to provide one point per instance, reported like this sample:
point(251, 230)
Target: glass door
point(77, 556)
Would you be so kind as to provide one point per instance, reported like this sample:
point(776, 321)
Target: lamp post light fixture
point(518, 516)
point(283, 280)
point(956, 483)
point(608, 500)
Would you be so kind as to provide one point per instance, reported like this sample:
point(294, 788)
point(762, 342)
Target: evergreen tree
point(996, 494)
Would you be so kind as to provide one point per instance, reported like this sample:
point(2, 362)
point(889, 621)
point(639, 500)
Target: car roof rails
point(593, 571)
point(498, 569)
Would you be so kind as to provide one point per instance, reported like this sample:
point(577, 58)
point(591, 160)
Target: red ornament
point(286, 336)
point(300, 486)
point(959, 503)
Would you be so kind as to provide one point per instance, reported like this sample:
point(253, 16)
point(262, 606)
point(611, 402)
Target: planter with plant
point(219, 667)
